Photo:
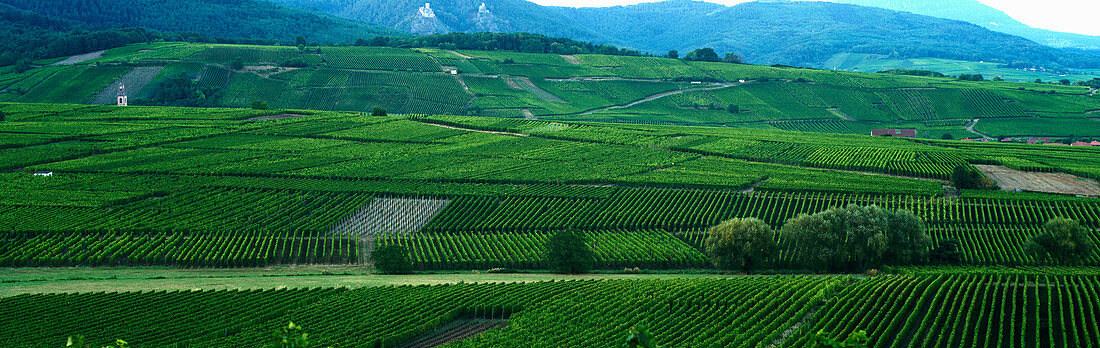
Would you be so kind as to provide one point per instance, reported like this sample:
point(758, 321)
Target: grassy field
point(643, 90)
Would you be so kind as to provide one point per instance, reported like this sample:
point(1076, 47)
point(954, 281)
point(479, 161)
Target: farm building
point(897, 133)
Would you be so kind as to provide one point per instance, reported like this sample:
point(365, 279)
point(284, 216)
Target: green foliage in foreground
point(935, 310)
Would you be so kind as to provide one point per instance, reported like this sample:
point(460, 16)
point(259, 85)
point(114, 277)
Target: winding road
point(970, 128)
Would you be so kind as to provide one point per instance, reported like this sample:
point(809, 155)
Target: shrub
point(856, 339)
point(965, 176)
point(392, 259)
point(639, 338)
point(260, 105)
point(857, 238)
point(947, 252)
point(1063, 242)
point(567, 252)
point(237, 63)
point(378, 111)
point(740, 244)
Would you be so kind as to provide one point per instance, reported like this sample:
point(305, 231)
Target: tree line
point(516, 42)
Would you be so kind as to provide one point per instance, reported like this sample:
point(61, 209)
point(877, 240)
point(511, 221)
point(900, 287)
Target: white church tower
point(122, 100)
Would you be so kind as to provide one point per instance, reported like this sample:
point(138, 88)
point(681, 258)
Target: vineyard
point(621, 89)
point(935, 310)
point(241, 188)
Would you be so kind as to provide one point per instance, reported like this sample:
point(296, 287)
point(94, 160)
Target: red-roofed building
point(1095, 143)
point(1081, 143)
point(1056, 144)
point(897, 133)
point(1038, 140)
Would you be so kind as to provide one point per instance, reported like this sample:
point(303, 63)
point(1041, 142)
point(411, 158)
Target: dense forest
point(518, 42)
point(222, 19)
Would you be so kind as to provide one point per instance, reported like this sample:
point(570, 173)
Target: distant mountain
point(771, 32)
point(457, 16)
point(808, 33)
point(214, 18)
point(988, 17)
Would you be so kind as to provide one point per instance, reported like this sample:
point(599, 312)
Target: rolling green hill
point(581, 87)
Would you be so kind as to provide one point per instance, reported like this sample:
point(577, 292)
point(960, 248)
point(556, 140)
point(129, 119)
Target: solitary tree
point(3, 116)
point(260, 105)
point(392, 259)
point(740, 244)
point(567, 252)
point(300, 41)
point(378, 111)
point(856, 238)
point(1063, 241)
point(673, 54)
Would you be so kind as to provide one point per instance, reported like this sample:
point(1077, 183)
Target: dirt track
point(1010, 179)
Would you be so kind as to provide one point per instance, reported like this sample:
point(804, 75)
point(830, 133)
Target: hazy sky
point(1074, 16)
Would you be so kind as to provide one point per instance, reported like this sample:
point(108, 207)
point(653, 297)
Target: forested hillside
point(236, 19)
point(811, 32)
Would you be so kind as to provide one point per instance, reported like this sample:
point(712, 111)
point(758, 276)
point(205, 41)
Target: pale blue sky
point(1074, 16)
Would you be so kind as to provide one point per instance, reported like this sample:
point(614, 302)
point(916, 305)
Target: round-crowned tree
point(567, 252)
point(1062, 242)
point(740, 244)
point(856, 238)
point(392, 259)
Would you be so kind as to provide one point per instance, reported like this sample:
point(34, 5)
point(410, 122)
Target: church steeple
point(122, 99)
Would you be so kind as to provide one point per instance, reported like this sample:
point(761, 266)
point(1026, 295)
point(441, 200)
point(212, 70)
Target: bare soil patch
point(274, 117)
point(80, 58)
point(1010, 179)
point(135, 80)
point(571, 59)
point(266, 70)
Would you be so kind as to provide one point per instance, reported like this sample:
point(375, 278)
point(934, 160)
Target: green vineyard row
point(935, 310)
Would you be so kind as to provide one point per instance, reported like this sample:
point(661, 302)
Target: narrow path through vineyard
point(658, 96)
